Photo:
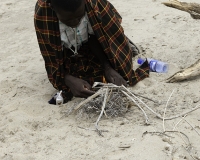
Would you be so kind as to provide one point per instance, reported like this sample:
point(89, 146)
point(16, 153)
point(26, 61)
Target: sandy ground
point(31, 129)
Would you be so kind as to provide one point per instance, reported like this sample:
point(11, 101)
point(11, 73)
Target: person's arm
point(111, 75)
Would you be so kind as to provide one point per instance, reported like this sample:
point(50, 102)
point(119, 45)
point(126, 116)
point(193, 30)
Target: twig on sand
point(178, 122)
point(146, 117)
point(175, 126)
point(143, 103)
point(164, 133)
point(107, 101)
point(182, 137)
point(182, 114)
point(189, 153)
point(88, 99)
point(102, 111)
point(115, 100)
point(191, 125)
point(173, 117)
point(166, 110)
point(188, 145)
point(145, 97)
point(92, 129)
point(160, 133)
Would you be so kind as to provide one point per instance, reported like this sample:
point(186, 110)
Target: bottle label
point(152, 65)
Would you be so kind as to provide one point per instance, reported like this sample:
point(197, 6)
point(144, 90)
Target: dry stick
point(145, 97)
point(147, 119)
point(182, 136)
point(107, 101)
point(155, 133)
point(189, 153)
point(191, 125)
point(182, 114)
point(163, 133)
point(110, 85)
point(175, 126)
point(88, 99)
point(92, 129)
point(166, 110)
point(190, 145)
point(142, 102)
point(107, 85)
point(159, 116)
point(103, 107)
point(181, 133)
point(178, 122)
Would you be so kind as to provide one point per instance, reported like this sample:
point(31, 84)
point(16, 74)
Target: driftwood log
point(192, 8)
point(187, 73)
point(194, 70)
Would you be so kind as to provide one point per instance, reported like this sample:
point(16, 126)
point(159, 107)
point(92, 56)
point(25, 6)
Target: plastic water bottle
point(155, 65)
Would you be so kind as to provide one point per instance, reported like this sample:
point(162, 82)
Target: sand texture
point(31, 129)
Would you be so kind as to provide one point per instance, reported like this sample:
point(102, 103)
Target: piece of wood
point(192, 8)
point(194, 69)
point(88, 99)
point(187, 73)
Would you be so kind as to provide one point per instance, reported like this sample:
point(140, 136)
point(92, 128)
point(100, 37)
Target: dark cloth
point(106, 23)
point(86, 67)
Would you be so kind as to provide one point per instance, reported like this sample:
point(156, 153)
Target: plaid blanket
point(106, 23)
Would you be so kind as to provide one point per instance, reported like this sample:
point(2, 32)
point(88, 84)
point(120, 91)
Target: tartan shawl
point(106, 23)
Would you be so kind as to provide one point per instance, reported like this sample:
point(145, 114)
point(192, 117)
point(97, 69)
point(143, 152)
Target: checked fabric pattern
point(106, 24)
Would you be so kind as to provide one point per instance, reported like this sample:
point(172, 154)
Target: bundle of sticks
point(109, 100)
point(112, 100)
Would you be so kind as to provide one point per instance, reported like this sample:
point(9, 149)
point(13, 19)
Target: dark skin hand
point(78, 87)
point(114, 77)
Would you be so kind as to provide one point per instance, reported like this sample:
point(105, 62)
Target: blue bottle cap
point(140, 61)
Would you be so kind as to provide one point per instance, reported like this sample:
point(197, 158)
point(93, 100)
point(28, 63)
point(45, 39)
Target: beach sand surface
point(31, 129)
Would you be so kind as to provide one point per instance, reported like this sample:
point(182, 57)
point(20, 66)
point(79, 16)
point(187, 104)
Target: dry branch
point(102, 111)
point(187, 73)
point(88, 100)
point(147, 119)
point(166, 110)
point(192, 8)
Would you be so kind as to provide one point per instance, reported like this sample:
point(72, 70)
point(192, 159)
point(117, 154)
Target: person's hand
point(78, 87)
point(114, 77)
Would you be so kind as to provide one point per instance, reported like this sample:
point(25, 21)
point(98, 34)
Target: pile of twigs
point(112, 100)
point(116, 104)
point(109, 99)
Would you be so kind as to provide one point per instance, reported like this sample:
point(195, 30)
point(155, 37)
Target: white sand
point(31, 129)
